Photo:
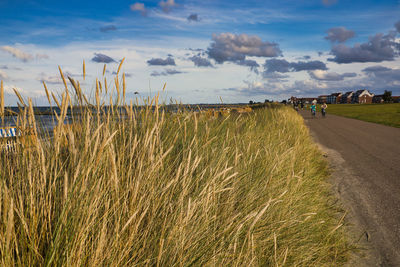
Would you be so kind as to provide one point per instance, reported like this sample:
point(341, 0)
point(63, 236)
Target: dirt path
point(366, 176)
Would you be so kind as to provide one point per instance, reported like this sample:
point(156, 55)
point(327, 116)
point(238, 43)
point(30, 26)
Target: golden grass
point(2, 100)
point(144, 187)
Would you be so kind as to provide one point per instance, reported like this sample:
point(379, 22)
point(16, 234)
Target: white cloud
point(324, 75)
point(17, 53)
point(139, 7)
point(20, 54)
point(233, 47)
point(185, 86)
point(167, 5)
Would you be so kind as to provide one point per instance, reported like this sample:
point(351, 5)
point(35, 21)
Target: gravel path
point(365, 160)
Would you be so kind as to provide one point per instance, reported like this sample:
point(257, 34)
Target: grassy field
point(388, 114)
point(161, 189)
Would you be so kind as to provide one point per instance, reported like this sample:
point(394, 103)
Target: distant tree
point(387, 96)
point(251, 102)
point(266, 101)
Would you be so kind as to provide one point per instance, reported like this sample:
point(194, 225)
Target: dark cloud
point(375, 69)
point(108, 28)
point(101, 58)
point(282, 65)
point(379, 48)
point(166, 72)
point(161, 62)
point(232, 47)
point(383, 74)
point(339, 34)
point(127, 75)
point(308, 65)
point(193, 17)
point(397, 25)
point(200, 61)
point(322, 75)
point(277, 65)
point(252, 64)
point(167, 5)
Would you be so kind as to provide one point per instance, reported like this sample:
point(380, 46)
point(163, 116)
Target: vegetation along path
point(366, 176)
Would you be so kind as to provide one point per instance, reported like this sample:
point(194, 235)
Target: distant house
point(346, 97)
point(377, 99)
point(362, 97)
point(333, 98)
point(322, 99)
point(307, 100)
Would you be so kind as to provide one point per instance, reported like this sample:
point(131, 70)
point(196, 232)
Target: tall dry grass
point(167, 189)
point(2, 101)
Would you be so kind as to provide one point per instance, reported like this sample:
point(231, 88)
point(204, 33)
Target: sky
point(205, 51)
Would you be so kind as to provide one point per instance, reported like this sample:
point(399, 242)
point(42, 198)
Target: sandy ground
point(365, 162)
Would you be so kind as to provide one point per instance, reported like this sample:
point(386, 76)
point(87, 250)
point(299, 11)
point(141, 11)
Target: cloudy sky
point(204, 50)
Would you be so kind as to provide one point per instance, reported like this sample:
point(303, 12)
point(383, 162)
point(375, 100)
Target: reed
point(84, 70)
point(140, 186)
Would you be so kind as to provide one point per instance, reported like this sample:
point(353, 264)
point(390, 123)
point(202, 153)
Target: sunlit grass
point(148, 187)
point(388, 114)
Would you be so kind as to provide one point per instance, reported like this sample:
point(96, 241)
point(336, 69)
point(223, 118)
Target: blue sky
point(204, 50)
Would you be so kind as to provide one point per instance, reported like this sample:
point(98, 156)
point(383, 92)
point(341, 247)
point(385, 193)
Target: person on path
point(296, 106)
point(313, 110)
point(324, 106)
point(302, 105)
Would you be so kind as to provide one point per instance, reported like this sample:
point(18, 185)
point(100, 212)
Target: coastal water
point(45, 123)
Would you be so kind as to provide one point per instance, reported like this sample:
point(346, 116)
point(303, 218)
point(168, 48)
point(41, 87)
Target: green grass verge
point(387, 114)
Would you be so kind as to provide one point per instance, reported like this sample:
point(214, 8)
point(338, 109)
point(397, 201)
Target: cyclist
point(313, 110)
point(324, 106)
